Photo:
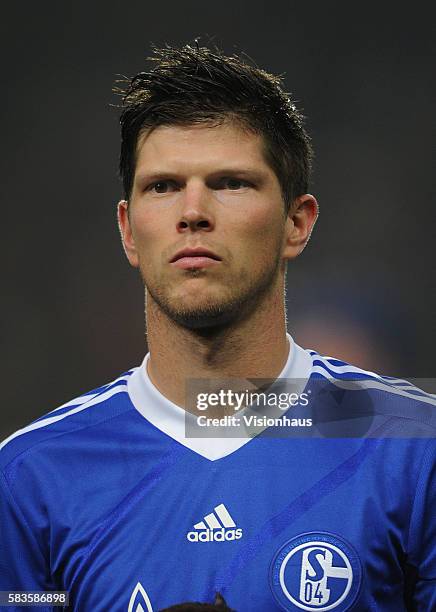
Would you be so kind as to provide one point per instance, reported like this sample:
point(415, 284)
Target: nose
point(196, 209)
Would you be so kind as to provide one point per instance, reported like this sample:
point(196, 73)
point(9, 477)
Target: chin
point(196, 314)
point(204, 316)
point(210, 307)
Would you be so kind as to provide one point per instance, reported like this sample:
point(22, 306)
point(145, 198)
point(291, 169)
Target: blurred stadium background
point(364, 289)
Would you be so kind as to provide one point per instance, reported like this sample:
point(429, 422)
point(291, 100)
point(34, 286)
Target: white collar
point(171, 419)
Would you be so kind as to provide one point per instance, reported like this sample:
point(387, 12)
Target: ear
point(301, 219)
point(126, 233)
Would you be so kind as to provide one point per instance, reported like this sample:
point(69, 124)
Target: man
point(118, 499)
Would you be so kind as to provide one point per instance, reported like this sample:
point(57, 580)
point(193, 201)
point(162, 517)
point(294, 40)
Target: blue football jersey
point(107, 498)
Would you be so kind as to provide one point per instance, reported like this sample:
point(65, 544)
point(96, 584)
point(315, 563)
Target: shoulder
point(388, 396)
point(338, 371)
point(84, 411)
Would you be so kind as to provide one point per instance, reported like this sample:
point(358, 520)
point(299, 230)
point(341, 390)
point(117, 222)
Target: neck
point(252, 347)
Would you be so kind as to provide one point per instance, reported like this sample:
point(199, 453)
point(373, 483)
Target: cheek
point(146, 239)
point(261, 228)
point(256, 243)
point(146, 230)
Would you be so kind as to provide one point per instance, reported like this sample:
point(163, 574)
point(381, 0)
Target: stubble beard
point(243, 300)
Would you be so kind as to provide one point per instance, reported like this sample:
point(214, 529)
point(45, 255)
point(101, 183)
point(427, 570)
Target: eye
point(234, 184)
point(162, 187)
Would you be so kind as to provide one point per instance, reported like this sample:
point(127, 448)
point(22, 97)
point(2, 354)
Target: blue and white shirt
point(108, 499)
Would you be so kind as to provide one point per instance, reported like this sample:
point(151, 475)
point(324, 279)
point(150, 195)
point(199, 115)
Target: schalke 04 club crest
point(315, 571)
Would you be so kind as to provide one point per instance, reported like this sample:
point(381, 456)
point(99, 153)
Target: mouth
point(194, 258)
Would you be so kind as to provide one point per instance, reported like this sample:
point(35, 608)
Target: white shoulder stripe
point(81, 399)
point(394, 383)
point(327, 360)
point(39, 424)
point(406, 385)
point(357, 385)
point(345, 368)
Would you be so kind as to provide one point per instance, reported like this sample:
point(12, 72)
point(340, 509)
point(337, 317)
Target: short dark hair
point(192, 85)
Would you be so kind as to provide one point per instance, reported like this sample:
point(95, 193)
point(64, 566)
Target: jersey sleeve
point(22, 563)
point(422, 537)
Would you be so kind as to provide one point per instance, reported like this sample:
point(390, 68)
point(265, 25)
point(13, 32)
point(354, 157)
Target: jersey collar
point(171, 419)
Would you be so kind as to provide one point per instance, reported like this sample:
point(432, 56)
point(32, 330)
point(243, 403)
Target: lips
point(195, 253)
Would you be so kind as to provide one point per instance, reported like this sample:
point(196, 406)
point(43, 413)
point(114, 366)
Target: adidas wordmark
point(218, 526)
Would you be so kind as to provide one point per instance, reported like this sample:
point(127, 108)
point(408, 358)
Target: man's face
point(201, 187)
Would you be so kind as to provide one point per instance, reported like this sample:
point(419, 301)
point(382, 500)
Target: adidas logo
point(218, 526)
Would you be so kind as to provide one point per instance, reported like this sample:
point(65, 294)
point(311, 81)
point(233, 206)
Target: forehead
point(200, 146)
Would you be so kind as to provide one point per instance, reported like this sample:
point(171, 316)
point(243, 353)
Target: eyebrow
point(242, 171)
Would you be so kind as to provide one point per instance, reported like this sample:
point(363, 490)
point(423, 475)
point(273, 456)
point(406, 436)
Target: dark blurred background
point(363, 290)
